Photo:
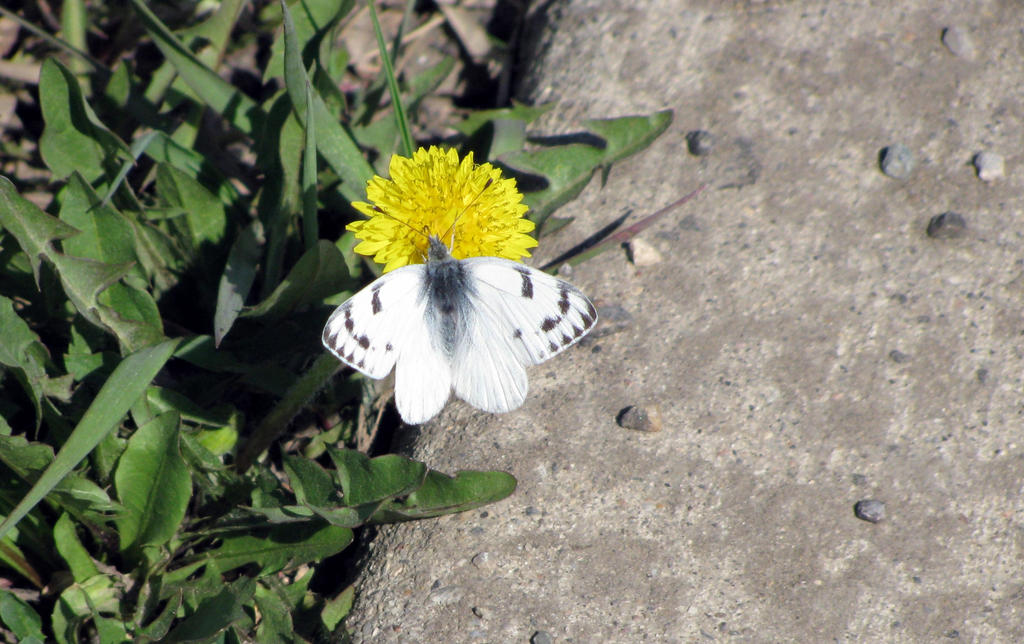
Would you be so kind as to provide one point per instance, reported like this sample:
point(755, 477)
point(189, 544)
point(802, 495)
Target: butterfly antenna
point(451, 229)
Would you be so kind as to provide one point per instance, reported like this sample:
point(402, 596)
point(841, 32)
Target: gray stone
point(897, 161)
point(959, 42)
point(990, 166)
point(869, 510)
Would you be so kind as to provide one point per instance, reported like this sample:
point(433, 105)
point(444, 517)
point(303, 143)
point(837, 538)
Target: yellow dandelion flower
point(465, 205)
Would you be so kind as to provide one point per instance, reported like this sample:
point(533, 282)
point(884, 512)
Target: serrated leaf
point(320, 272)
point(152, 483)
point(368, 480)
point(443, 494)
point(34, 229)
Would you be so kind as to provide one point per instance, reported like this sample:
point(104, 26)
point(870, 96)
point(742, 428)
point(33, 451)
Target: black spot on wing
point(576, 331)
point(518, 333)
point(388, 348)
point(552, 346)
point(349, 324)
point(375, 304)
point(563, 298)
point(527, 291)
point(549, 323)
point(363, 341)
point(566, 340)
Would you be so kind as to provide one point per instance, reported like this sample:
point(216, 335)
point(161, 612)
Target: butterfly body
point(468, 325)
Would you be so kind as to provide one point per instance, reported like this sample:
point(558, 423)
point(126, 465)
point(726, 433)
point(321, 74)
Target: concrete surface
point(807, 343)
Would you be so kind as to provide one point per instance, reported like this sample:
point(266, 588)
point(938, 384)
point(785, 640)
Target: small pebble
point(898, 356)
point(859, 479)
point(540, 637)
point(957, 40)
point(990, 166)
point(445, 595)
point(897, 161)
point(642, 254)
point(565, 270)
point(869, 510)
point(641, 419)
point(481, 612)
point(483, 561)
point(948, 225)
point(982, 375)
point(700, 142)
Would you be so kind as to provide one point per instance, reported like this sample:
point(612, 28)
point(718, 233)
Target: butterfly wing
point(369, 330)
point(521, 316)
point(384, 325)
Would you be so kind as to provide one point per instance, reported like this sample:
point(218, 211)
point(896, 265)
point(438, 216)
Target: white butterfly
point(471, 325)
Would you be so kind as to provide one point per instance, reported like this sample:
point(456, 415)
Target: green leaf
point(20, 618)
point(124, 386)
point(367, 480)
point(311, 24)
point(310, 225)
point(235, 283)
point(81, 602)
point(204, 211)
point(518, 112)
point(320, 272)
point(568, 168)
point(215, 614)
point(338, 608)
point(627, 135)
point(74, 492)
point(442, 494)
point(221, 96)
point(23, 354)
point(34, 229)
point(284, 546)
point(334, 143)
point(389, 76)
point(275, 618)
point(72, 551)
point(311, 483)
point(153, 484)
point(165, 150)
point(74, 139)
point(156, 630)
